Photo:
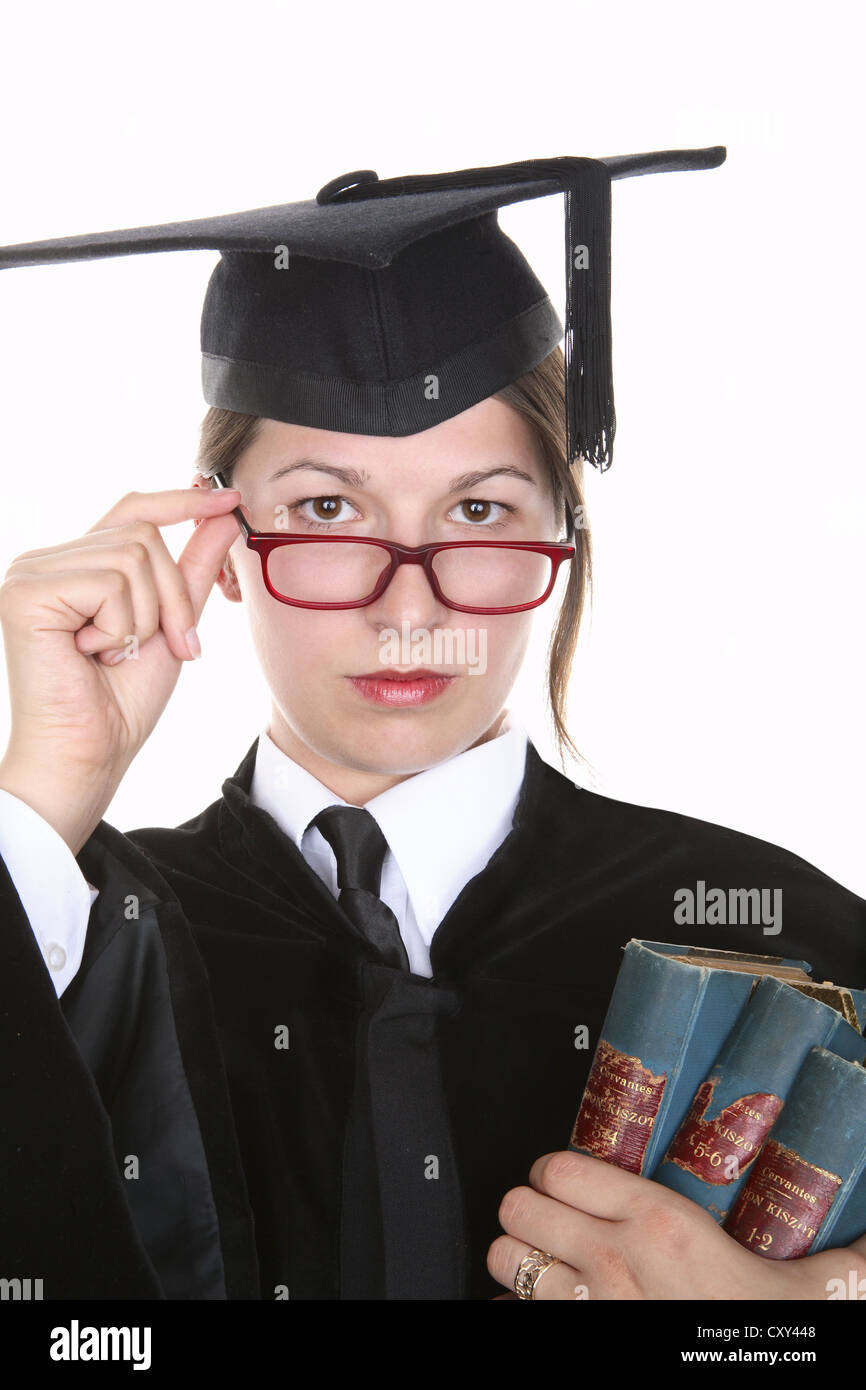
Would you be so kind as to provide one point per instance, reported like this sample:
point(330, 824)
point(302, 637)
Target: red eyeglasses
point(352, 571)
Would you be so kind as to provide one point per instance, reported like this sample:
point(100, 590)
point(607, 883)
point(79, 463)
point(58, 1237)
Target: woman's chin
point(402, 741)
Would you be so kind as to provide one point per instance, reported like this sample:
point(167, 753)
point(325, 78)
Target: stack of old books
point(739, 1082)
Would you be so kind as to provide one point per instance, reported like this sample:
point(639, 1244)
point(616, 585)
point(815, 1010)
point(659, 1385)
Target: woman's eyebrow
point(468, 480)
point(352, 478)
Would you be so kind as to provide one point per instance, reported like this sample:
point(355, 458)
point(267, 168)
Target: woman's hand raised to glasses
point(95, 631)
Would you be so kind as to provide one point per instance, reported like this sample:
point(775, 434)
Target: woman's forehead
point(489, 435)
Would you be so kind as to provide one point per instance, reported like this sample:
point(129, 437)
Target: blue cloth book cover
point(670, 1013)
point(807, 1190)
point(738, 1102)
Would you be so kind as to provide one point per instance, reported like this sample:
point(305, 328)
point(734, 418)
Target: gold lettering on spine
point(793, 1196)
point(618, 1109)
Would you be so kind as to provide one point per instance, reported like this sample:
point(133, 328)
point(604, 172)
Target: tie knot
point(358, 844)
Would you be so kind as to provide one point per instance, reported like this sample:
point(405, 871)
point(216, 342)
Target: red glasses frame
point(263, 542)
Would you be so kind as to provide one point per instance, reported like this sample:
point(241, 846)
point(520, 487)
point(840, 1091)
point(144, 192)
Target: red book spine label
point(780, 1209)
point(618, 1109)
point(720, 1150)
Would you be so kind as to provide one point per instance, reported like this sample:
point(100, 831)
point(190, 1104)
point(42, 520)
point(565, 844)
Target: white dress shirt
point(54, 892)
point(442, 826)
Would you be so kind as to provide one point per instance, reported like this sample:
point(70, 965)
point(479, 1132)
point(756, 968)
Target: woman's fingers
point(573, 1235)
point(159, 593)
point(558, 1281)
point(32, 602)
point(130, 560)
point(166, 508)
point(204, 555)
point(64, 609)
point(589, 1184)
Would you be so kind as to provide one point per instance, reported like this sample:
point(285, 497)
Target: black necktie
point(360, 849)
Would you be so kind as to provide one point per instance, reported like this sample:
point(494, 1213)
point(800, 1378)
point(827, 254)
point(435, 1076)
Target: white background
point(723, 675)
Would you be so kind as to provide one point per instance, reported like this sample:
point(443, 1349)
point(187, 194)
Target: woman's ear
point(228, 581)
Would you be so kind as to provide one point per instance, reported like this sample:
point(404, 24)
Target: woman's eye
point(322, 510)
point(479, 510)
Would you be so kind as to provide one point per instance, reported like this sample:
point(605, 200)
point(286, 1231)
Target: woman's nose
point(408, 597)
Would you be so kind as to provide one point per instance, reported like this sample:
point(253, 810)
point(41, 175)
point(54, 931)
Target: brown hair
point(539, 397)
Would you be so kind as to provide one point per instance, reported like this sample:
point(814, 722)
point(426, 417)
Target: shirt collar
point(442, 825)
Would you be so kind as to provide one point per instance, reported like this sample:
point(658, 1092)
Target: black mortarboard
point(386, 306)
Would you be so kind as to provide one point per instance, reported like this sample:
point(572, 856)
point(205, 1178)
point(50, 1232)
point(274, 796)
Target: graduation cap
point(386, 306)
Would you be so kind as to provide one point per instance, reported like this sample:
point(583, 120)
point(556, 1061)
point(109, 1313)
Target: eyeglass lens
point(480, 576)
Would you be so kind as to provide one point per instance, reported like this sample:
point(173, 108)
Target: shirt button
point(56, 956)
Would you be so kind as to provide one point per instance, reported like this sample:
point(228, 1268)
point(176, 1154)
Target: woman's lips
point(401, 688)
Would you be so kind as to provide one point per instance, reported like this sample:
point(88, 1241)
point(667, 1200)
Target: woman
point(333, 1047)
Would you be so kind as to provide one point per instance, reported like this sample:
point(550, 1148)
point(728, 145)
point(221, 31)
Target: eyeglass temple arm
point(241, 519)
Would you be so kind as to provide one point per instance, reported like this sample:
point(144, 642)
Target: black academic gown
point(234, 1100)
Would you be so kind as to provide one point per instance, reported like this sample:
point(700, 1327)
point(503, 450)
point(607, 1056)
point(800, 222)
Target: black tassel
point(590, 413)
point(590, 418)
